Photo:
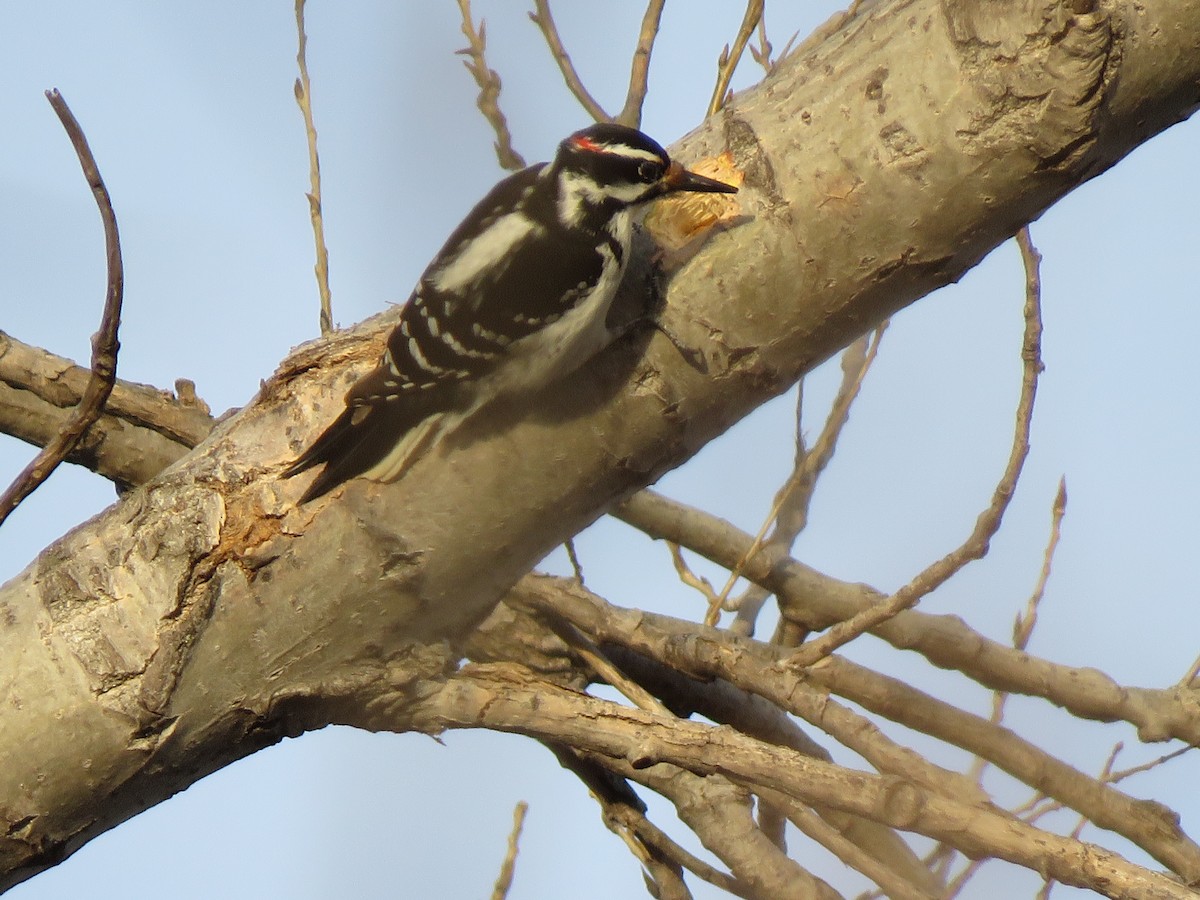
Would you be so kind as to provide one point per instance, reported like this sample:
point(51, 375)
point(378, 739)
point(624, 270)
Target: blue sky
point(189, 111)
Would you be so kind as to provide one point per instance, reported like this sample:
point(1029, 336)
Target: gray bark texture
point(206, 616)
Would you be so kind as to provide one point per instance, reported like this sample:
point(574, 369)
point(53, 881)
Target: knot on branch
point(1039, 67)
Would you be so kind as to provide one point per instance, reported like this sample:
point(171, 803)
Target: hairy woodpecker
point(517, 298)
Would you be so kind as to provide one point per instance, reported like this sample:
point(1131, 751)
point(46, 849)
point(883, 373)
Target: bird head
point(613, 167)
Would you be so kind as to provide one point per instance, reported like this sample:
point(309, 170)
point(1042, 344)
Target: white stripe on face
point(579, 191)
point(483, 252)
point(630, 152)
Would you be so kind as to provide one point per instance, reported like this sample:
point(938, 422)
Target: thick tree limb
point(206, 616)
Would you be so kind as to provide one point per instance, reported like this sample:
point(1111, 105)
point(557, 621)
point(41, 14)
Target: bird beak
point(680, 179)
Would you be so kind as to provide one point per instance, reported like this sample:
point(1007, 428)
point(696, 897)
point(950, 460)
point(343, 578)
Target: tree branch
point(639, 74)
point(642, 741)
point(303, 92)
point(230, 623)
point(760, 669)
point(728, 62)
point(141, 431)
point(489, 88)
point(104, 341)
point(976, 545)
point(543, 20)
point(504, 879)
point(817, 600)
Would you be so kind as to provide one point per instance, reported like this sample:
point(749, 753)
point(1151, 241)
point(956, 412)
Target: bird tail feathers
point(362, 441)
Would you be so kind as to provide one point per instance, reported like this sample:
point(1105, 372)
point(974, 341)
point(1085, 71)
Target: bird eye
point(649, 171)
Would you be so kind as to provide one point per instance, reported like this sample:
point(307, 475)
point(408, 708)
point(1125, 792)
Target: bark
point(142, 431)
point(205, 616)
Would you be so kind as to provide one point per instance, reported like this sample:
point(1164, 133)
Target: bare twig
point(760, 670)
point(1122, 774)
point(488, 100)
point(789, 512)
point(631, 113)
point(573, 557)
point(1190, 675)
point(690, 578)
point(303, 91)
point(653, 836)
point(637, 743)
point(504, 879)
point(542, 19)
point(1023, 625)
point(988, 523)
point(585, 648)
point(762, 53)
point(730, 57)
point(104, 341)
point(141, 431)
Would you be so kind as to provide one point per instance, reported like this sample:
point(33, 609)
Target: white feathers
point(630, 152)
point(411, 446)
point(553, 351)
point(577, 191)
point(488, 252)
point(560, 346)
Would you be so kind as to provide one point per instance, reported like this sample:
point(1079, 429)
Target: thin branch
point(1190, 675)
point(988, 523)
point(690, 578)
point(761, 669)
point(1122, 774)
point(762, 53)
point(504, 879)
point(717, 812)
point(639, 75)
point(303, 91)
point(789, 511)
point(638, 742)
point(729, 59)
point(488, 81)
point(585, 648)
point(653, 836)
point(104, 341)
point(815, 600)
point(573, 557)
point(141, 431)
point(623, 813)
point(543, 20)
point(856, 363)
point(1023, 625)
point(894, 884)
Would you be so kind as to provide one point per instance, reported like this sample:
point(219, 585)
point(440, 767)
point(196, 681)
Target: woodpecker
point(517, 298)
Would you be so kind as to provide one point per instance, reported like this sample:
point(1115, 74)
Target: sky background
point(190, 114)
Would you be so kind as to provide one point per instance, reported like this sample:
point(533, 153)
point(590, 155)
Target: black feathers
point(517, 298)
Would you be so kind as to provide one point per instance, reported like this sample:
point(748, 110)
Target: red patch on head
point(586, 143)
